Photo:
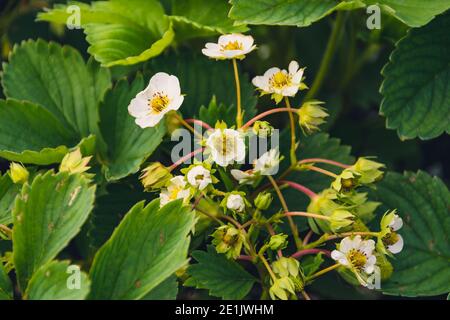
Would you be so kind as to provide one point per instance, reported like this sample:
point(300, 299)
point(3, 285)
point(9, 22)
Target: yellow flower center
point(174, 192)
point(390, 238)
point(233, 45)
point(223, 144)
point(357, 258)
point(159, 102)
point(280, 80)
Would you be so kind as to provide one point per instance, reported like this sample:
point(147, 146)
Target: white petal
point(293, 67)
point(213, 53)
point(176, 103)
point(396, 223)
point(270, 72)
point(161, 81)
point(337, 255)
point(397, 247)
point(149, 121)
point(346, 245)
point(297, 77)
point(138, 106)
point(261, 82)
point(289, 91)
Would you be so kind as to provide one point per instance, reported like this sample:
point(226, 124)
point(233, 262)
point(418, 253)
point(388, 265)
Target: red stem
point(300, 188)
point(246, 258)
point(335, 163)
point(199, 122)
point(185, 158)
point(266, 113)
point(307, 237)
point(302, 253)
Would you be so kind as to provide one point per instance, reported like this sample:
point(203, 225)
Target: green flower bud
point(311, 115)
point(228, 240)
point(155, 176)
point(341, 219)
point(278, 241)
point(346, 181)
point(282, 288)
point(368, 170)
point(18, 173)
point(73, 162)
point(262, 129)
point(286, 267)
point(263, 200)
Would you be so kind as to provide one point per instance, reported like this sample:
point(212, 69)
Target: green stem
point(322, 272)
point(238, 95)
point(293, 137)
point(298, 242)
point(327, 57)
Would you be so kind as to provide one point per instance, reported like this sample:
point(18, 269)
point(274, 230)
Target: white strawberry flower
point(162, 95)
point(226, 146)
point(236, 202)
point(389, 239)
point(280, 83)
point(175, 190)
point(268, 163)
point(357, 255)
point(230, 46)
point(199, 177)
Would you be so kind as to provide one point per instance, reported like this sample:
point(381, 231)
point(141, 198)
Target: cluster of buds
point(289, 278)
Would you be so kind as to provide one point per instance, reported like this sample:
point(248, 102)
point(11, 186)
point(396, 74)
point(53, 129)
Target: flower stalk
point(238, 95)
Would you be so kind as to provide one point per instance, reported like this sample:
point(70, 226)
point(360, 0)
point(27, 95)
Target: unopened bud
point(18, 173)
point(155, 176)
point(73, 162)
point(263, 200)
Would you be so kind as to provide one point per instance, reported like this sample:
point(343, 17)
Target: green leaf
point(8, 192)
point(414, 13)
point(201, 79)
point(214, 111)
point(120, 32)
point(148, 246)
point(57, 78)
point(51, 282)
point(31, 134)
point(311, 264)
point(109, 210)
point(166, 290)
point(222, 277)
point(47, 215)
point(128, 145)
point(300, 13)
point(6, 289)
point(202, 18)
point(423, 202)
point(416, 88)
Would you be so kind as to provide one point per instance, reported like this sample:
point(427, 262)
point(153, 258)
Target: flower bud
point(368, 170)
point(228, 240)
point(18, 173)
point(172, 121)
point(341, 219)
point(278, 241)
point(73, 162)
point(282, 288)
point(263, 200)
point(346, 181)
point(155, 176)
point(262, 129)
point(311, 115)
